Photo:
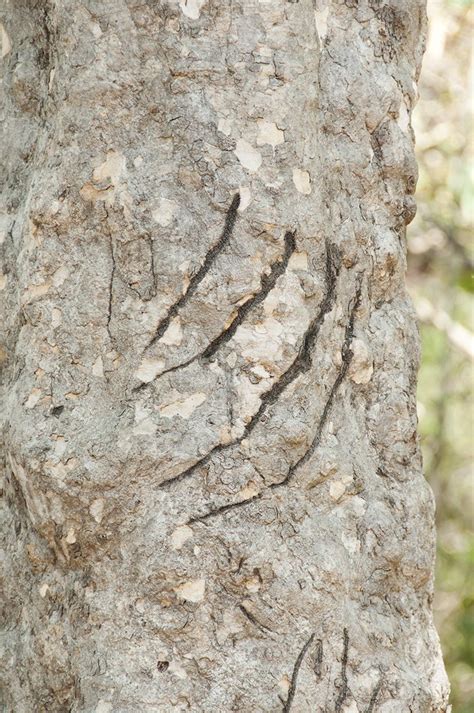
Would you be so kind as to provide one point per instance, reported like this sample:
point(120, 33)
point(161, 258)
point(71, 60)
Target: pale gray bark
point(214, 491)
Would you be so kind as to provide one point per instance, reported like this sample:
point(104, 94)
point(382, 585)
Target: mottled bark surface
point(214, 497)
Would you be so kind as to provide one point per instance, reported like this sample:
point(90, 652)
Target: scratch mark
point(346, 360)
point(300, 364)
point(344, 688)
point(253, 620)
point(374, 696)
point(267, 283)
point(318, 659)
point(222, 509)
point(294, 677)
point(213, 253)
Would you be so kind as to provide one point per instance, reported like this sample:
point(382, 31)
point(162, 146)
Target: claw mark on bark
point(346, 360)
point(267, 283)
point(112, 277)
point(222, 509)
point(294, 677)
point(253, 620)
point(203, 270)
point(344, 687)
point(374, 696)
point(300, 364)
point(318, 659)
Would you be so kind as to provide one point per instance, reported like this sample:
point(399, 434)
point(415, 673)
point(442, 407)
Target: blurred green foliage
point(441, 282)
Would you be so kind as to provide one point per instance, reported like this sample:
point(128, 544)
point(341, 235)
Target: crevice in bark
point(253, 620)
point(344, 684)
point(294, 677)
point(267, 283)
point(300, 364)
point(231, 217)
point(373, 699)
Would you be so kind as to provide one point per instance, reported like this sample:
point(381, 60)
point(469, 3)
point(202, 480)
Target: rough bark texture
point(214, 491)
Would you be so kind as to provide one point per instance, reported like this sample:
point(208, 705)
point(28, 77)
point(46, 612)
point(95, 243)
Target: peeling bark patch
point(302, 181)
point(183, 407)
point(344, 685)
point(294, 677)
point(192, 591)
point(249, 157)
point(203, 270)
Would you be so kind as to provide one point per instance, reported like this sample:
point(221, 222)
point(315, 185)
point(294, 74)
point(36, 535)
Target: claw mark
point(346, 360)
point(222, 509)
point(253, 620)
point(201, 273)
point(267, 283)
point(112, 277)
point(296, 670)
point(318, 659)
point(374, 696)
point(300, 364)
point(344, 688)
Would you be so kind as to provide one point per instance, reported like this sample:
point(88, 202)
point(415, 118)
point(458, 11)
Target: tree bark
point(214, 489)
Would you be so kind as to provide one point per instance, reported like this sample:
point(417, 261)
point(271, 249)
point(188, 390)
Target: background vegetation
point(440, 280)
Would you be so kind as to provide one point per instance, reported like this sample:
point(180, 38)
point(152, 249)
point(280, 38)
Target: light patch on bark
point(164, 213)
point(96, 509)
point(361, 367)
point(182, 406)
point(192, 591)
point(192, 8)
point(98, 367)
point(245, 198)
point(149, 369)
point(174, 334)
point(5, 40)
point(33, 398)
point(337, 489)
point(321, 20)
point(302, 181)
point(249, 157)
point(298, 261)
point(179, 536)
point(269, 133)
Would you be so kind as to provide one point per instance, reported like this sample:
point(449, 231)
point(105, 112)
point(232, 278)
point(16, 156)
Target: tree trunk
point(214, 489)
